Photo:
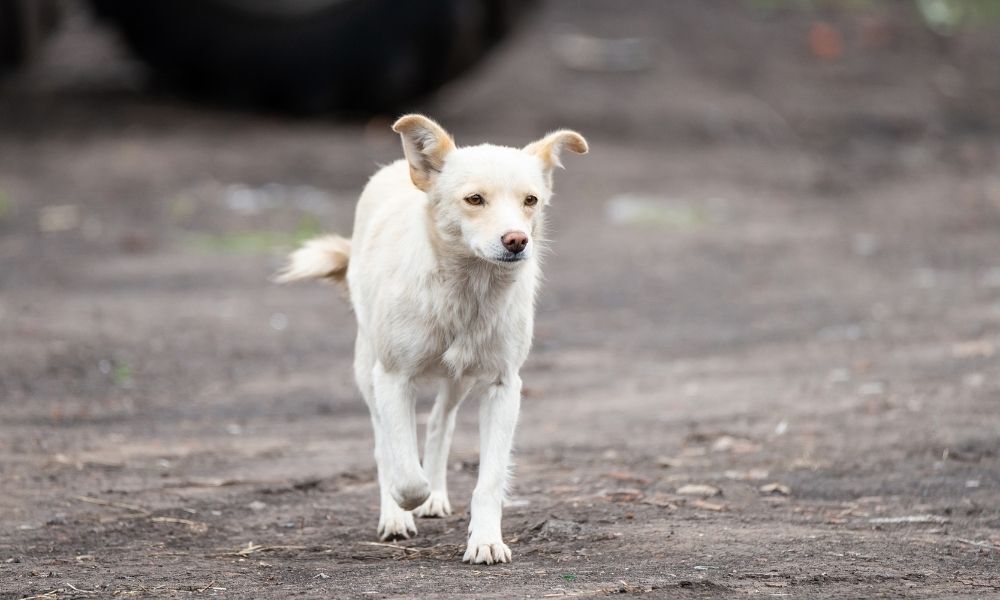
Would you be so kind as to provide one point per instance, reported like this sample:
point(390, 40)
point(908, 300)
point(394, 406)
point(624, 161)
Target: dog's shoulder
point(389, 185)
point(388, 197)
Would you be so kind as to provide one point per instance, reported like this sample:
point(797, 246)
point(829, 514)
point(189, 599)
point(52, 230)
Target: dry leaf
point(973, 348)
point(706, 505)
point(751, 475)
point(623, 495)
point(776, 488)
point(661, 500)
point(626, 476)
point(728, 443)
point(699, 489)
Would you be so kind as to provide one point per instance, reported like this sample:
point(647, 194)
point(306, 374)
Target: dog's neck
point(473, 276)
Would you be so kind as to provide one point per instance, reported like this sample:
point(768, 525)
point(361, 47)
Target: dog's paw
point(435, 506)
point(396, 525)
point(486, 552)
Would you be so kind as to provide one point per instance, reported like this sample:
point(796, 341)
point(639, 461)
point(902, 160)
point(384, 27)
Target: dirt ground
point(775, 275)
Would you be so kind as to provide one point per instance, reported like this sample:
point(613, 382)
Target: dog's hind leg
point(393, 521)
point(497, 421)
point(440, 427)
point(395, 402)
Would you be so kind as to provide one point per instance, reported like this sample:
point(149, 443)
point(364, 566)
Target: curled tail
point(320, 258)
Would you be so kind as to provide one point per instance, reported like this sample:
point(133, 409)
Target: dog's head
point(486, 201)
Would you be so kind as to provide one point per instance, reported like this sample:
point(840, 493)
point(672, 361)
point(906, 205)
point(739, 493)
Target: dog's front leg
point(395, 396)
point(497, 420)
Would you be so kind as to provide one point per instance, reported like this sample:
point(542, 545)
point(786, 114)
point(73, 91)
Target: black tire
point(24, 25)
point(10, 38)
point(358, 55)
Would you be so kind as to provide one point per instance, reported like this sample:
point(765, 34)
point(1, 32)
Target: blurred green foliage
point(256, 241)
point(123, 374)
point(942, 16)
point(6, 205)
point(814, 4)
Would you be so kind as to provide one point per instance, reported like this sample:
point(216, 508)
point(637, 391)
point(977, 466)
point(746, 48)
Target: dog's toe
point(437, 505)
point(397, 526)
point(487, 553)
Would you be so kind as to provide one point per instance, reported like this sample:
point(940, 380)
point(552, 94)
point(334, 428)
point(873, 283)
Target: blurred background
point(765, 351)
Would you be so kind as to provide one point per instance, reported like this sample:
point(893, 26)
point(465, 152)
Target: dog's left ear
point(550, 147)
point(425, 144)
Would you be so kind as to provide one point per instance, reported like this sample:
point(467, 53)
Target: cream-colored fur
point(321, 258)
point(442, 291)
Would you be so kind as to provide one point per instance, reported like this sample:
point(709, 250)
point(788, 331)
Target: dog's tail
point(322, 258)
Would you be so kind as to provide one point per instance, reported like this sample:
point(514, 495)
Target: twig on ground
point(448, 550)
point(252, 548)
point(207, 587)
point(908, 519)
point(120, 505)
point(195, 526)
point(51, 594)
point(213, 483)
point(408, 553)
point(597, 592)
point(983, 544)
point(394, 546)
point(76, 589)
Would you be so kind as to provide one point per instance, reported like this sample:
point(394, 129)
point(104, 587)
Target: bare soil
point(773, 268)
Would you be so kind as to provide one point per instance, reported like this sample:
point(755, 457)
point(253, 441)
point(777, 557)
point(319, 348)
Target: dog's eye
point(531, 201)
point(475, 199)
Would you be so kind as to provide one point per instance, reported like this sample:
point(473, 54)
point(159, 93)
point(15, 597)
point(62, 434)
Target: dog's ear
point(425, 144)
point(550, 147)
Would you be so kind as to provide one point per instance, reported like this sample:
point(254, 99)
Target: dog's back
point(389, 192)
point(387, 205)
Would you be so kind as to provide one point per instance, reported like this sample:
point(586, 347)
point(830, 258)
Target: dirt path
point(770, 271)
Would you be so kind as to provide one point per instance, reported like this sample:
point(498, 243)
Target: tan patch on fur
point(425, 144)
point(550, 147)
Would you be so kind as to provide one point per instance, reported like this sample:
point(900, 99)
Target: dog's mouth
point(509, 258)
point(504, 257)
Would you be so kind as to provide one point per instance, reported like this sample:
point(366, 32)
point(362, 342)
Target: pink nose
point(515, 241)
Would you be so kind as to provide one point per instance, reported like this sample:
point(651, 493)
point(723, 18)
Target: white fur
point(437, 295)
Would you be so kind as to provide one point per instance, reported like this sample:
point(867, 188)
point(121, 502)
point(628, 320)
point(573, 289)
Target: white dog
point(442, 271)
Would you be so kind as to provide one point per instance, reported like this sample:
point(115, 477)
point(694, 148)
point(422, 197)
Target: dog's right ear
point(551, 146)
point(426, 145)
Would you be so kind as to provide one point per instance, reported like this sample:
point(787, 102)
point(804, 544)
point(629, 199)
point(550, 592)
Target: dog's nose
point(515, 241)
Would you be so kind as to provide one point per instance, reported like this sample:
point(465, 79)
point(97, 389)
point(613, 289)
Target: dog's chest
point(471, 344)
point(480, 333)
